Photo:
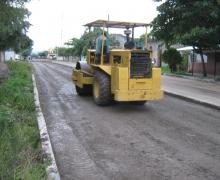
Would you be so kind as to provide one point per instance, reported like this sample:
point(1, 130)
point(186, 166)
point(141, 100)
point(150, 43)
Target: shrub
point(173, 58)
point(184, 63)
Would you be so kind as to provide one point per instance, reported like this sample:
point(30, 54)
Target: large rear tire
point(102, 89)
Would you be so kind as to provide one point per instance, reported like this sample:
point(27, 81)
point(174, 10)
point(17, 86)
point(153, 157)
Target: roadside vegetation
point(184, 22)
point(176, 63)
point(14, 26)
point(165, 69)
point(20, 148)
point(173, 58)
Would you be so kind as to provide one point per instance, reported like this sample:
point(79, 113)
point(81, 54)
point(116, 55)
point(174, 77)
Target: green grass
point(165, 69)
point(183, 73)
point(20, 148)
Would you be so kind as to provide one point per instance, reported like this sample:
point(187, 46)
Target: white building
point(8, 55)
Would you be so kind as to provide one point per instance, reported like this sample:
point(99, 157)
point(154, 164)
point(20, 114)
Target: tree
point(64, 51)
point(43, 54)
point(140, 42)
point(194, 23)
point(173, 58)
point(68, 52)
point(24, 45)
point(88, 40)
point(14, 25)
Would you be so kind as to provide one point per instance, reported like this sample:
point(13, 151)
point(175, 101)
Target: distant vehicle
point(118, 74)
point(52, 56)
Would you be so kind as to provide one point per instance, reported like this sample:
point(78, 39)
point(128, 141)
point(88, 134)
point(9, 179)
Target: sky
point(55, 22)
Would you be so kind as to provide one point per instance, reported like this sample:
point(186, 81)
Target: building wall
point(218, 63)
point(157, 49)
point(210, 65)
point(210, 57)
point(153, 46)
point(9, 55)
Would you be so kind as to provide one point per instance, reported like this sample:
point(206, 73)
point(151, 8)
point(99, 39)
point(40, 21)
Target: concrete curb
point(52, 171)
point(190, 99)
point(192, 78)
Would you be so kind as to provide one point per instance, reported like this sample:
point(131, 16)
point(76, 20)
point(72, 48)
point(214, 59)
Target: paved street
point(167, 139)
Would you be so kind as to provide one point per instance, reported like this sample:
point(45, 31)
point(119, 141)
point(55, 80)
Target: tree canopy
point(14, 26)
point(188, 22)
point(88, 40)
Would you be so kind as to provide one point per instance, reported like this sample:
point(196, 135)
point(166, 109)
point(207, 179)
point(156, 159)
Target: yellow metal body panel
point(80, 78)
point(105, 68)
point(124, 54)
point(138, 95)
point(140, 84)
point(119, 80)
point(123, 87)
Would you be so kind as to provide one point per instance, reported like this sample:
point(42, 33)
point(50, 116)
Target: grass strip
point(20, 148)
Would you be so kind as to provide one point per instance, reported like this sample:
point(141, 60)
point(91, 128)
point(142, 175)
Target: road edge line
point(189, 99)
point(51, 170)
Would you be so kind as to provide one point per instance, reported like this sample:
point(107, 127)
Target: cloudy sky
point(56, 21)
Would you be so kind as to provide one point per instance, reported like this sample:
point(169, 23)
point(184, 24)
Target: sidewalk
point(207, 93)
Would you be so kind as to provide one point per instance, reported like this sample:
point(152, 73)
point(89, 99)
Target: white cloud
point(53, 19)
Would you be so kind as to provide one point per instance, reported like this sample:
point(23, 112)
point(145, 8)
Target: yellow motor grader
point(118, 74)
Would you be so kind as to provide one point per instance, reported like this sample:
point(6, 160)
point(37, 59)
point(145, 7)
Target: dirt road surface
point(167, 139)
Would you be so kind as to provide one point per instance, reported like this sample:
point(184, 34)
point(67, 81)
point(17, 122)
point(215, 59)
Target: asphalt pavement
point(162, 140)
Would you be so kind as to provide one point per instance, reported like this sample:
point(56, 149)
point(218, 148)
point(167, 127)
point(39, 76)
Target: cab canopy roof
point(115, 24)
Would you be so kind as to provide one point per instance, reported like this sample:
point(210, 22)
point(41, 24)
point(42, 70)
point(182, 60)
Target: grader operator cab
point(118, 74)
